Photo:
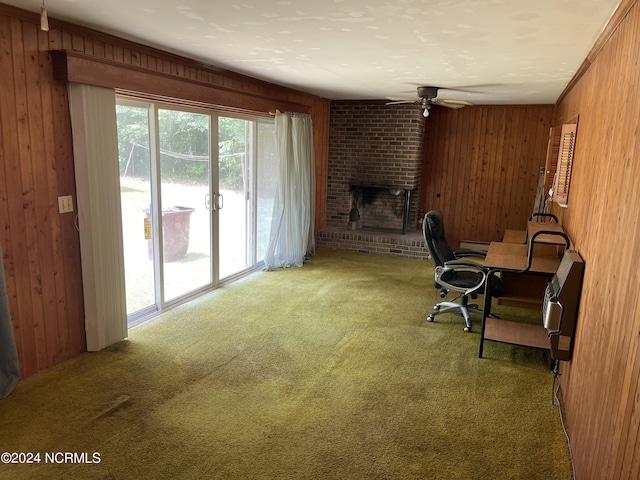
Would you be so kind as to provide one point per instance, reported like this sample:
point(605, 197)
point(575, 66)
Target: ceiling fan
point(427, 96)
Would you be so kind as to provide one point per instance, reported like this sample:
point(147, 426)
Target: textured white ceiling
point(491, 51)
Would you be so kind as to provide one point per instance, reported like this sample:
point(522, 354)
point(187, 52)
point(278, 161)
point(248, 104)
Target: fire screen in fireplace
point(379, 206)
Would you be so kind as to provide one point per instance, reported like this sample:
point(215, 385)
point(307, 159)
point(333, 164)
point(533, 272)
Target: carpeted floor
point(323, 372)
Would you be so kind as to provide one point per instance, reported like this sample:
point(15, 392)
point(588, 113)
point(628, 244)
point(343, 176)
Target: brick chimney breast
point(374, 146)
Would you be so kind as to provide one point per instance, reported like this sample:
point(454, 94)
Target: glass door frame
point(153, 106)
point(133, 318)
point(155, 180)
point(212, 177)
point(251, 142)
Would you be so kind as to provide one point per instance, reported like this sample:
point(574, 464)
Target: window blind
point(565, 163)
point(95, 152)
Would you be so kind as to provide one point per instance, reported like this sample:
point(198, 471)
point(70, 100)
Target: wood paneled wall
point(601, 385)
point(481, 167)
point(41, 247)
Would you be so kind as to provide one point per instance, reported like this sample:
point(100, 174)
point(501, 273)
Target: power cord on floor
point(555, 386)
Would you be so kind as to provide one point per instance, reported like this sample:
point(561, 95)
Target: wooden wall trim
point(614, 22)
point(112, 40)
point(76, 67)
point(19, 13)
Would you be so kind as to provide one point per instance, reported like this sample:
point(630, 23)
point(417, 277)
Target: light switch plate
point(65, 204)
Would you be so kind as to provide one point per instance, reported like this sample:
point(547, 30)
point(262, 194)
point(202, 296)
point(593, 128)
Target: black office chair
point(464, 277)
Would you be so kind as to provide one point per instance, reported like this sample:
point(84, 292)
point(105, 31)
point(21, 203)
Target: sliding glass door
point(185, 192)
point(265, 183)
point(192, 215)
point(136, 198)
point(234, 183)
point(247, 173)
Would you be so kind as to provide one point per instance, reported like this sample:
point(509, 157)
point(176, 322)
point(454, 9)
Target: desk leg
point(486, 308)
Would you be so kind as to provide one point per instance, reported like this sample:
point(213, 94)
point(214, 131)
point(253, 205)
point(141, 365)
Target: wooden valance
point(81, 68)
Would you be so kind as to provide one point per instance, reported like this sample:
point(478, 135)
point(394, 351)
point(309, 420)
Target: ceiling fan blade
point(443, 102)
point(400, 102)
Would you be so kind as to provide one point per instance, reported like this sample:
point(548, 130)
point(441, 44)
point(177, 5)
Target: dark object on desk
point(560, 306)
point(451, 274)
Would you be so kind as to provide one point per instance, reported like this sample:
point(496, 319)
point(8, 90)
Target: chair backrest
point(433, 231)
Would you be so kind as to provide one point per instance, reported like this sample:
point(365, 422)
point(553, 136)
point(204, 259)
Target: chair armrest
point(451, 264)
point(467, 252)
point(460, 265)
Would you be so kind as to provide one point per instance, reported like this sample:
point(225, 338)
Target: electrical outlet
point(65, 204)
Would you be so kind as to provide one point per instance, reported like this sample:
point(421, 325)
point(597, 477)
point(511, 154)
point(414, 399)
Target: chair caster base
point(467, 329)
point(430, 318)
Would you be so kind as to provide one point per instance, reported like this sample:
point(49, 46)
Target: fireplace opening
point(379, 207)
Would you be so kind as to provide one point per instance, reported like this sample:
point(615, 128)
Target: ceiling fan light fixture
point(44, 19)
point(428, 96)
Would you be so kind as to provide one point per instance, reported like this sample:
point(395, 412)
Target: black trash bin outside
point(175, 232)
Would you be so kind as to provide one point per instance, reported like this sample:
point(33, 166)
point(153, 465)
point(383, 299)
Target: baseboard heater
point(560, 307)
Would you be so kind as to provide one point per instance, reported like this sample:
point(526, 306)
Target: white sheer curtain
point(292, 237)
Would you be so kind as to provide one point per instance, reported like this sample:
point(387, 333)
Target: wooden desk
point(515, 333)
point(546, 244)
point(535, 227)
point(511, 259)
point(513, 256)
point(515, 236)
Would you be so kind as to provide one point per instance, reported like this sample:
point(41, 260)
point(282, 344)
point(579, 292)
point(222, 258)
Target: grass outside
point(193, 270)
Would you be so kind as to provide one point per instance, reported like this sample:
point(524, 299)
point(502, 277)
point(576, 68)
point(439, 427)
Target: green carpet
point(323, 372)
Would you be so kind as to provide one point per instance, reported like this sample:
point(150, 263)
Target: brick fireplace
point(374, 173)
